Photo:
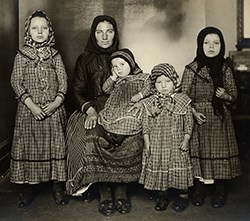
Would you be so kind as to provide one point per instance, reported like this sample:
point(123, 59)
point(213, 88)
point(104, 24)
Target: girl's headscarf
point(214, 64)
point(167, 70)
point(92, 45)
point(128, 56)
point(27, 37)
point(170, 72)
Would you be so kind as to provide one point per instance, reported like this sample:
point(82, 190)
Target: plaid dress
point(38, 148)
point(167, 166)
point(115, 117)
point(213, 146)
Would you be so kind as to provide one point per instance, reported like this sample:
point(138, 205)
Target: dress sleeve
point(186, 82)
point(108, 86)
point(61, 76)
point(17, 77)
point(79, 85)
point(229, 84)
point(146, 90)
point(188, 121)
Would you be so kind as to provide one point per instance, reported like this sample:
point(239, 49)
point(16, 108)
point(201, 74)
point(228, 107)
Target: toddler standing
point(167, 127)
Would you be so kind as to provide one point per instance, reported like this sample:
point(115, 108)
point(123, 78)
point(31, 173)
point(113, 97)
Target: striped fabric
point(214, 149)
point(88, 161)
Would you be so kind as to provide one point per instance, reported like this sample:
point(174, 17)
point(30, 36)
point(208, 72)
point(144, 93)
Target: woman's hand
point(222, 94)
point(199, 117)
point(91, 118)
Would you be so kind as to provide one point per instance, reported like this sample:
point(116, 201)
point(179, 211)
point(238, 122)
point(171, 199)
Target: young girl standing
point(209, 81)
point(167, 127)
point(39, 81)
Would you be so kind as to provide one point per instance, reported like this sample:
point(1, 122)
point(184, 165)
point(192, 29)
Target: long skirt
point(213, 147)
point(90, 158)
point(38, 149)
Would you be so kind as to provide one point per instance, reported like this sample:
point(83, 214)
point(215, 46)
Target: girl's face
point(104, 34)
point(211, 45)
point(39, 29)
point(121, 67)
point(164, 85)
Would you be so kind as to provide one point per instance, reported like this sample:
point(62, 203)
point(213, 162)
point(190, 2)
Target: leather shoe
point(60, 198)
point(123, 205)
point(218, 201)
point(107, 207)
point(198, 199)
point(161, 204)
point(180, 204)
point(25, 199)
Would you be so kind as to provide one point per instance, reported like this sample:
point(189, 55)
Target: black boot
point(181, 202)
point(27, 195)
point(106, 206)
point(58, 193)
point(123, 204)
point(162, 201)
point(199, 193)
point(219, 196)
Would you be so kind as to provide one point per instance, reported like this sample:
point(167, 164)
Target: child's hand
point(184, 144)
point(200, 118)
point(50, 108)
point(136, 98)
point(147, 145)
point(36, 111)
point(222, 94)
point(114, 75)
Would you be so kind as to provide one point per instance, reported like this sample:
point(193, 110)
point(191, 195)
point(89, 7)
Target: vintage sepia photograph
point(129, 110)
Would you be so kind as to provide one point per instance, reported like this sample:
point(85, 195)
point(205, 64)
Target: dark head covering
point(169, 71)
point(214, 64)
point(27, 37)
point(92, 45)
point(128, 56)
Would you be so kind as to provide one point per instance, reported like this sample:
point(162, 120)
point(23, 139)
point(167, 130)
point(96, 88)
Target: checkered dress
point(115, 117)
point(167, 166)
point(213, 147)
point(38, 149)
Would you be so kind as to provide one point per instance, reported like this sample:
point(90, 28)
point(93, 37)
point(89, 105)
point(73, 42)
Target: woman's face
point(164, 85)
point(39, 29)
point(121, 67)
point(211, 45)
point(104, 34)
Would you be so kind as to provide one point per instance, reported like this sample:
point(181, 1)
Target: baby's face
point(211, 45)
point(164, 85)
point(39, 29)
point(120, 67)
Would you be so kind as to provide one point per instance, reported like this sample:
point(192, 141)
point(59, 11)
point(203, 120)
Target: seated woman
point(88, 160)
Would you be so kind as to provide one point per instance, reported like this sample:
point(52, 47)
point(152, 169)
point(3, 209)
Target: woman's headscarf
point(92, 45)
point(27, 37)
point(214, 64)
point(128, 56)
